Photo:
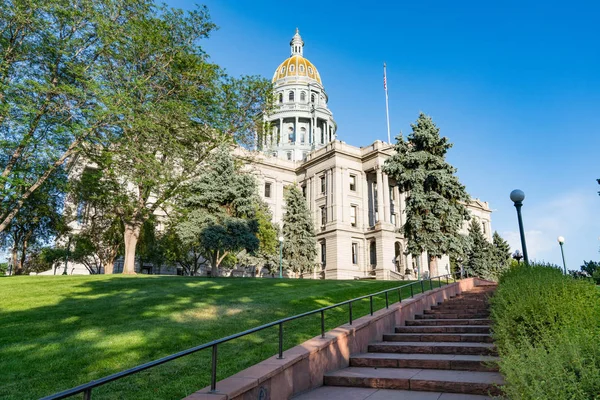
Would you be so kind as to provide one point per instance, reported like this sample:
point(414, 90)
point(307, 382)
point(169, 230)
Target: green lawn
point(59, 332)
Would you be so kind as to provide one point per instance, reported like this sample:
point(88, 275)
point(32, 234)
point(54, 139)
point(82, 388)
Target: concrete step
point(352, 393)
point(470, 321)
point(455, 310)
point(452, 308)
point(426, 361)
point(467, 348)
point(438, 337)
point(429, 380)
point(444, 329)
point(461, 315)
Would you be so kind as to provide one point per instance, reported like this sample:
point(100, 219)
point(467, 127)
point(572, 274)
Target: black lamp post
point(561, 241)
point(517, 196)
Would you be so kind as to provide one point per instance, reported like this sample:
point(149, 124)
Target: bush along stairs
point(447, 349)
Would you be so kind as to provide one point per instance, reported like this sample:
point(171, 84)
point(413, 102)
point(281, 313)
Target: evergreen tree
point(220, 210)
point(299, 245)
point(501, 254)
point(435, 202)
point(479, 256)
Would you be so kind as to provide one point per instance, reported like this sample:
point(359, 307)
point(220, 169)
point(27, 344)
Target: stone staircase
point(445, 353)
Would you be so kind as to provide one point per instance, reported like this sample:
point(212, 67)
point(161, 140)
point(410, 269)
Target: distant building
point(357, 209)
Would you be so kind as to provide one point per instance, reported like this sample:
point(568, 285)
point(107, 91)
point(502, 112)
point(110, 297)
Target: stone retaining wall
point(303, 366)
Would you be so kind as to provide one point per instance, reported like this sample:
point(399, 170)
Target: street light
point(280, 256)
point(517, 196)
point(561, 241)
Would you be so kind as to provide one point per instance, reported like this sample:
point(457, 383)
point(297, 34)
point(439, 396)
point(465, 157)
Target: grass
point(59, 332)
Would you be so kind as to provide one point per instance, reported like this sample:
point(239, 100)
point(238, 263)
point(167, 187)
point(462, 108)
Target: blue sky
point(515, 87)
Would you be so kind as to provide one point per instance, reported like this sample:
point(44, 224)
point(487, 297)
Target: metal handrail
point(86, 388)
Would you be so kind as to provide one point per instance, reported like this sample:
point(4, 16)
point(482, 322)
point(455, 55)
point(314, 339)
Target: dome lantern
point(297, 44)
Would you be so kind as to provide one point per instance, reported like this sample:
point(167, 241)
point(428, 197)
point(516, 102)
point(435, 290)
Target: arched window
point(312, 98)
point(302, 135)
point(291, 96)
point(301, 68)
point(281, 97)
point(310, 71)
point(302, 96)
point(291, 68)
point(283, 70)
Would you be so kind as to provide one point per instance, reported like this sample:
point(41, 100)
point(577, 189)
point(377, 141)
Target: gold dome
point(296, 66)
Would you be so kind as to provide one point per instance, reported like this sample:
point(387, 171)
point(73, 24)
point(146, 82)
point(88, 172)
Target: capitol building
point(357, 209)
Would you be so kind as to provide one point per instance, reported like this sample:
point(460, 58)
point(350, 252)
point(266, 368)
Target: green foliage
point(592, 269)
point(54, 56)
point(299, 245)
point(546, 327)
point(3, 268)
point(267, 255)
point(39, 221)
point(435, 203)
point(219, 210)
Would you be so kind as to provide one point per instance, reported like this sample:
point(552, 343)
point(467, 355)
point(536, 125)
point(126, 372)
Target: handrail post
point(399, 295)
point(87, 394)
point(322, 323)
point(213, 373)
point(371, 304)
point(387, 301)
point(422, 287)
point(440, 280)
point(280, 341)
point(350, 312)
point(412, 294)
point(430, 284)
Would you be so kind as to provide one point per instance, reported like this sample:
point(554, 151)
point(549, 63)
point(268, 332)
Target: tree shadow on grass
point(89, 328)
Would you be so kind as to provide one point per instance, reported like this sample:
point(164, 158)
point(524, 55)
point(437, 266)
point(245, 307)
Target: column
point(364, 192)
point(398, 195)
point(379, 198)
point(280, 141)
point(386, 197)
point(329, 197)
point(338, 203)
point(326, 129)
point(296, 130)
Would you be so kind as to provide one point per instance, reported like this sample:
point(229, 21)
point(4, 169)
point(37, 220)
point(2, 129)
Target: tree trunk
point(109, 267)
point(15, 262)
point(131, 236)
point(433, 266)
point(214, 267)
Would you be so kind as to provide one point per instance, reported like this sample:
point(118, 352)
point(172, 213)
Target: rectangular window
point(355, 253)
point(323, 216)
point(483, 227)
point(353, 183)
point(267, 189)
point(304, 191)
point(392, 193)
point(289, 155)
point(353, 210)
point(393, 219)
point(323, 255)
point(323, 184)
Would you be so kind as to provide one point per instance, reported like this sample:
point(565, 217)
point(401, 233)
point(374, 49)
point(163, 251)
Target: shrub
point(547, 328)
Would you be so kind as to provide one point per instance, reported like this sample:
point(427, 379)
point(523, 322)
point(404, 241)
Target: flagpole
point(387, 107)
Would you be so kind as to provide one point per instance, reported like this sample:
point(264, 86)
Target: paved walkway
point(446, 353)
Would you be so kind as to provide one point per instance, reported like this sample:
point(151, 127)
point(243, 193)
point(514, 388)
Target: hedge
point(547, 330)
